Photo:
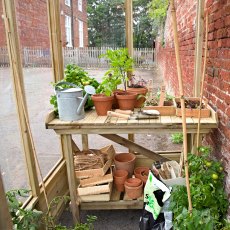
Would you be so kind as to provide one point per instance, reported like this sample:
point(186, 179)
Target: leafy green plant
point(22, 218)
point(120, 63)
point(177, 138)
point(78, 76)
point(109, 84)
point(208, 197)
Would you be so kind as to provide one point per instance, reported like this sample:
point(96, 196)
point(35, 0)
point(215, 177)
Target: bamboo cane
point(202, 81)
point(179, 74)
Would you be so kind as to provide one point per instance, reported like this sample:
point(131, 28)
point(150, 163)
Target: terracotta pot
point(120, 177)
point(125, 161)
point(115, 102)
point(142, 173)
point(102, 103)
point(133, 182)
point(139, 102)
point(134, 192)
point(126, 100)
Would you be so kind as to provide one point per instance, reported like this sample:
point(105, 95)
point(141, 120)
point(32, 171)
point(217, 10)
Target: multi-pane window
point(68, 31)
point(81, 34)
point(80, 5)
point(67, 2)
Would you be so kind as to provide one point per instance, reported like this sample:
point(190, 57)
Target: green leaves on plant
point(208, 197)
point(177, 138)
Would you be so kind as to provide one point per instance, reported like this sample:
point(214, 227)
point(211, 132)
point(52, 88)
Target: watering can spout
point(89, 91)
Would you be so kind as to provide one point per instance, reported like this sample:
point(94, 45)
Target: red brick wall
point(32, 23)
point(217, 78)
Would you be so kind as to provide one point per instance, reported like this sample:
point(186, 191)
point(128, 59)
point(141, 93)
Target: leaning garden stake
point(202, 80)
point(179, 74)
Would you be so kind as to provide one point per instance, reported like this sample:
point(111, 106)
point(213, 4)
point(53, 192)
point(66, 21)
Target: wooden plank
point(66, 142)
point(129, 204)
point(134, 147)
point(55, 39)
point(115, 196)
point(5, 217)
point(131, 138)
point(51, 115)
point(19, 91)
point(85, 142)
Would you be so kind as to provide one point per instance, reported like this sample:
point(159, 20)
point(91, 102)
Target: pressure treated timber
point(5, 217)
point(12, 38)
point(134, 147)
point(94, 124)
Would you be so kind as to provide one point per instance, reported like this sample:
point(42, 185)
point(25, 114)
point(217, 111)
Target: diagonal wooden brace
point(135, 147)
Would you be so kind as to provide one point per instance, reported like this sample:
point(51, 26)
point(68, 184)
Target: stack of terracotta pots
point(124, 170)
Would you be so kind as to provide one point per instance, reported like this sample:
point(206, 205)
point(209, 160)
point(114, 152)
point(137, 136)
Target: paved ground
point(38, 91)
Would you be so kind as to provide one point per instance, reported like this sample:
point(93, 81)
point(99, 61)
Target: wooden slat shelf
point(110, 127)
point(118, 200)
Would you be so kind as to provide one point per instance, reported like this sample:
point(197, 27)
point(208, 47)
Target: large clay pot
point(102, 103)
point(120, 176)
point(134, 192)
point(139, 91)
point(125, 161)
point(115, 102)
point(142, 173)
point(133, 182)
point(126, 100)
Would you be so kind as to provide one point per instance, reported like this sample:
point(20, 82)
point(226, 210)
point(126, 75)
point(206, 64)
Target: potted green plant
point(121, 63)
point(162, 102)
point(103, 99)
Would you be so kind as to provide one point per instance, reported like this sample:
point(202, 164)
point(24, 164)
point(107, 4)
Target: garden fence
point(88, 57)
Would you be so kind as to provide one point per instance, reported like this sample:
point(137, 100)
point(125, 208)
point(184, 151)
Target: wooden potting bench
point(110, 127)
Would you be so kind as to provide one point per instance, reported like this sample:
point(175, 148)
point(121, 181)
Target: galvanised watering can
point(71, 101)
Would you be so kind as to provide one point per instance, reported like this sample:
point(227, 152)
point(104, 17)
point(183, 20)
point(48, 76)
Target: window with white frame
point(68, 31)
point(80, 5)
point(81, 34)
point(67, 2)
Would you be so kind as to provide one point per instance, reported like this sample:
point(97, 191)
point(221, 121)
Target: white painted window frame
point(68, 31)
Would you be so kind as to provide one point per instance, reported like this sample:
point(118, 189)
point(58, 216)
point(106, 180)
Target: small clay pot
point(102, 103)
point(125, 161)
point(134, 192)
point(139, 91)
point(142, 173)
point(120, 176)
point(133, 182)
point(115, 102)
point(126, 100)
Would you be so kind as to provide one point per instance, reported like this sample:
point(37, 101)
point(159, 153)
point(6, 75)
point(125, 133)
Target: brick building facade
point(32, 23)
point(217, 78)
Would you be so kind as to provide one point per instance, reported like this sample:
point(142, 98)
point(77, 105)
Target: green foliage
point(208, 197)
point(177, 138)
point(158, 10)
point(78, 76)
point(109, 84)
point(120, 63)
point(22, 218)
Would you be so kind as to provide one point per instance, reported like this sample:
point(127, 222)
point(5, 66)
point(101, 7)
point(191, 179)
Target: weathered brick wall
point(32, 23)
point(217, 78)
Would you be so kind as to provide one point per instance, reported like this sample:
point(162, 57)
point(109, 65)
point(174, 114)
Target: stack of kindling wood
point(94, 173)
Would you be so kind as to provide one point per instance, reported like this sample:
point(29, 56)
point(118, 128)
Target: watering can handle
point(65, 83)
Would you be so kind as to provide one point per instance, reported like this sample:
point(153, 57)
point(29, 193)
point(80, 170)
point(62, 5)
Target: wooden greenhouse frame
point(60, 180)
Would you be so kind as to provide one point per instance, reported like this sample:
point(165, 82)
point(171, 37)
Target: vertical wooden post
point(5, 218)
point(131, 138)
point(198, 46)
point(66, 144)
point(129, 29)
point(9, 16)
point(85, 142)
point(55, 39)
